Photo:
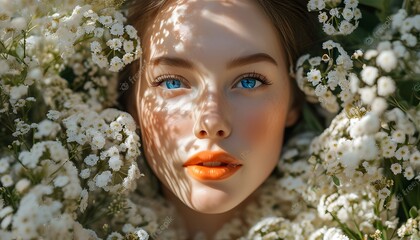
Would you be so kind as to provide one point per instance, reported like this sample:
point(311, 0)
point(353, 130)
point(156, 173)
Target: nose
point(212, 123)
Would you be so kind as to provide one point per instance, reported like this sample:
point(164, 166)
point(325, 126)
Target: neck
point(203, 223)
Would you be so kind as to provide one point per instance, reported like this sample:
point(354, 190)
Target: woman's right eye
point(169, 82)
point(172, 83)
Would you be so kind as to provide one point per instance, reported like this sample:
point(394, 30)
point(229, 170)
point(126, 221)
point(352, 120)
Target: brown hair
point(295, 25)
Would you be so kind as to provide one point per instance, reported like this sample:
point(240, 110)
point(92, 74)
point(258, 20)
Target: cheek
point(263, 125)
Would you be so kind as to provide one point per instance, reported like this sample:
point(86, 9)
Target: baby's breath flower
point(384, 193)
point(386, 86)
point(103, 179)
point(6, 180)
point(117, 29)
point(387, 60)
point(369, 74)
point(396, 168)
point(91, 160)
point(409, 173)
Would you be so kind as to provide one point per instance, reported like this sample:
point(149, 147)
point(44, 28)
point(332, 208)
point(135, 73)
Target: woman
point(214, 97)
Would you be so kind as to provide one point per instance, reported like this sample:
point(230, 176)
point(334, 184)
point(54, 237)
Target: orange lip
point(209, 165)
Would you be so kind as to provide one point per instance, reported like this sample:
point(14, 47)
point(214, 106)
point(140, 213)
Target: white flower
point(357, 14)
point(386, 86)
point(91, 160)
point(398, 136)
point(315, 61)
point(142, 234)
point(368, 124)
point(7, 180)
point(131, 31)
point(114, 44)
point(346, 27)
point(415, 158)
point(369, 74)
point(322, 17)
point(334, 12)
point(314, 77)
point(18, 24)
point(409, 39)
point(128, 58)
point(95, 47)
point(4, 165)
point(116, 64)
point(61, 181)
point(47, 128)
point(16, 92)
point(387, 60)
point(371, 53)
point(379, 105)
point(329, 29)
point(103, 179)
point(85, 173)
point(117, 29)
point(115, 162)
point(367, 94)
point(98, 140)
point(398, 18)
point(105, 20)
point(98, 32)
point(403, 153)
point(409, 173)
point(396, 168)
point(100, 60)
point(128, 46)
point(22, 185)
point(347, 14)
point(53, 115)
point(384, 45)
point(115, 236)
point(384, 193)
point(351, 3)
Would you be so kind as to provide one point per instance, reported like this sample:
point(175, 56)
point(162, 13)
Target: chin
point(213, 201)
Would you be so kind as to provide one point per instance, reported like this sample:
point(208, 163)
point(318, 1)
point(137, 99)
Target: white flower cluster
point(326, 78)
point(70, 160)
point(122, 43)
point(338, 18)
point(411, 229)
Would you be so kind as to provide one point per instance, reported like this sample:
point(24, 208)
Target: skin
point(211, 110)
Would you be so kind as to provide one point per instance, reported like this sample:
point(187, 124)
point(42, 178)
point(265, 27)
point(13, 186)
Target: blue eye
point(173, 83)
point(252, 81)
point(248, 83)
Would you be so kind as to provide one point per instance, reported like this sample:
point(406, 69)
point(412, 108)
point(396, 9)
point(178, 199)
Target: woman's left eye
point(248, 83)
point(251, 81)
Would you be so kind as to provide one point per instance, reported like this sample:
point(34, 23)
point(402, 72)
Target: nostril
point(202, 133)
point(220, 133)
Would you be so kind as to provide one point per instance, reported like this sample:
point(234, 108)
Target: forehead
point(213, 27)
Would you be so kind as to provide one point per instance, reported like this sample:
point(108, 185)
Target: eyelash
point(160, 79)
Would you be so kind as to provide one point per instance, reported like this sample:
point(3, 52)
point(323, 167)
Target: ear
point(292, 115)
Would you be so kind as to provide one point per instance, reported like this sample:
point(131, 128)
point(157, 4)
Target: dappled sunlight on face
point(215, 79)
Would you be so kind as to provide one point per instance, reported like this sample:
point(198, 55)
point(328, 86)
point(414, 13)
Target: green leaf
point(413, 212)
point(336, 180)
point(378, 4)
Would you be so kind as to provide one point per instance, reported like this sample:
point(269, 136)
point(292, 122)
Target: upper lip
point(211, 156)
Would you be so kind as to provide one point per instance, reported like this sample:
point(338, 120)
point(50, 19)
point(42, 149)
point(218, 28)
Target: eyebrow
point(253, 58)
point(236, 62)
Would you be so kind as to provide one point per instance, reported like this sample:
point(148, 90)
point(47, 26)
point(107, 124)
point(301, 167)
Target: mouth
point(208, 165)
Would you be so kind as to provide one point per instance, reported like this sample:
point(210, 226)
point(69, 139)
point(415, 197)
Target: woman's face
point(215, 86)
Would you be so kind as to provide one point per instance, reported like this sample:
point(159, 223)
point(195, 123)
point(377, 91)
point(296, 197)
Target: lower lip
point(212, 173)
